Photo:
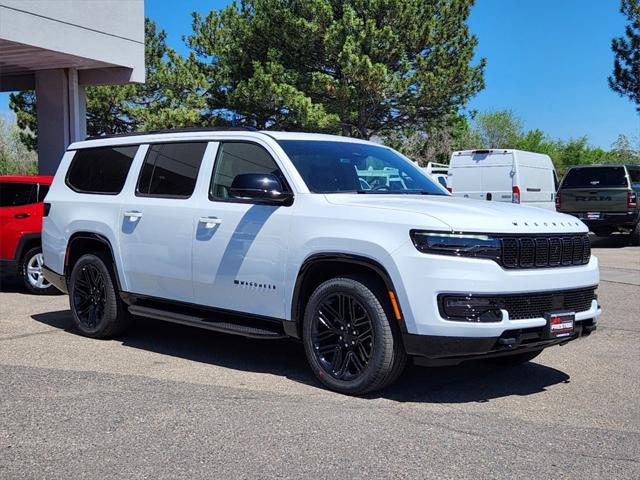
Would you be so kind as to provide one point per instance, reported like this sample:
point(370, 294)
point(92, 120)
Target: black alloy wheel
point(96, 307)
point(89, 296)
point(351, 337)
point(342, 336)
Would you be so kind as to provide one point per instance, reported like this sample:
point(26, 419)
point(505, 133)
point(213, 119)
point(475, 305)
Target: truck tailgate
point(594, 200)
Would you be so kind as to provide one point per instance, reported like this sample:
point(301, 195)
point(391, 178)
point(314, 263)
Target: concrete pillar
point(60, 104)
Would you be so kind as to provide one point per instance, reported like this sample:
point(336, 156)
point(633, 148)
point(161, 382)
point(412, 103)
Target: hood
point(465, 215)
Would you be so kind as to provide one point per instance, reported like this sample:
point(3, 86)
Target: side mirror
point(260, 188)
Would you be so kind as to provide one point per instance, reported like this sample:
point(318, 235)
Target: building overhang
point(103, 41)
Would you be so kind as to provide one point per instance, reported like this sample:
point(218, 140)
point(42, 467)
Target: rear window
point(595, 177)
point(17, 194)
point(100, 170)
point(171, 170)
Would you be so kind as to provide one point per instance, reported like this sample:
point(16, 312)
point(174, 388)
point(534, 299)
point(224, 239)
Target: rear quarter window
point(595, 177)
point(100, 170)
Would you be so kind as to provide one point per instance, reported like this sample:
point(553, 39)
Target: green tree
point(437, 143)
point(623, 150)
point(626, 67)
point(356, 67)
point(15, 157)
point(499, 129)
point(172, 96)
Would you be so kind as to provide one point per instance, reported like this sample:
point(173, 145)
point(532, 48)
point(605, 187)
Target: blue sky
point(548, 61)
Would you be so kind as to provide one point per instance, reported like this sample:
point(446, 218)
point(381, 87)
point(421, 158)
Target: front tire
point(96, 307)
point(31, 273)
point(349, 340)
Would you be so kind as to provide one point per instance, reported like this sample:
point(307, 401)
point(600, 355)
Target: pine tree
point(355, 67)
point(626, 67)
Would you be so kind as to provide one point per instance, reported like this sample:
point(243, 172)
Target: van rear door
point(497, 178)
point(482, 175)
point(594, 190)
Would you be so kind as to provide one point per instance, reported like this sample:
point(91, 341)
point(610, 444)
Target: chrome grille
point(545, 251)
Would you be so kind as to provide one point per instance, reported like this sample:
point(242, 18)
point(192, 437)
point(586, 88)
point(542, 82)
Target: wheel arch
point(26, 243)
point(321, 266)
point(85, 242)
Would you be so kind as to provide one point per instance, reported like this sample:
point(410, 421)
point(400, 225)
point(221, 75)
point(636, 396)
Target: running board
point(208, 324)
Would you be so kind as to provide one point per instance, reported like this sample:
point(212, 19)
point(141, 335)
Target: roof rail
point(174, 130)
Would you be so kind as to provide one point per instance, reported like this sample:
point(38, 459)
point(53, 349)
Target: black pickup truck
point(605, 197)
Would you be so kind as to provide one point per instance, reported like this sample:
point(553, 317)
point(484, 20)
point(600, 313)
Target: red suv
point(21, 210)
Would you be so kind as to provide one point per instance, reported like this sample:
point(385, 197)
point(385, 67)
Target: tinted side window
point(100, 170)
point(171, 169)
point(235, 158)
point(17, 194)
point(634, 175)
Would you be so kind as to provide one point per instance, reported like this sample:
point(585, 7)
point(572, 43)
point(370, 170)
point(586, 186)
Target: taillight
point(632, 199)
point(515, 197)
point(46, 209)
point(450, 189)
point(558, 201)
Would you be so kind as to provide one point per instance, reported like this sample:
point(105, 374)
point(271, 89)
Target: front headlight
point(458, 244)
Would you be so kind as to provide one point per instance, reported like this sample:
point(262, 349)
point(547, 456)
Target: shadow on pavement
point(471, 382)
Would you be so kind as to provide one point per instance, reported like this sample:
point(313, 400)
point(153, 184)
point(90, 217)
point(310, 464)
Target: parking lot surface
point(167, 401)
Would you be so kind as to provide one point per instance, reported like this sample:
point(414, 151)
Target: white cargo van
point(504, 176)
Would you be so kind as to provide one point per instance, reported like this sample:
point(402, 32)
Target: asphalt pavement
point(167, 401)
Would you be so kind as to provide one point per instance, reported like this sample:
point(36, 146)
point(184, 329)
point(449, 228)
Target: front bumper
point(441, 351)
point(8, 267)
point(421, 278)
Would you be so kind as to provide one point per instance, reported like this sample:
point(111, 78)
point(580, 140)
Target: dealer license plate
point(560, 324)
point(593, 215)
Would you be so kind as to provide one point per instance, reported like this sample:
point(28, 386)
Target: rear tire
point(517, 359)
point(31, 273)
point(602, 232)
point(96, 307)
point(635, 236)
point(349, 340)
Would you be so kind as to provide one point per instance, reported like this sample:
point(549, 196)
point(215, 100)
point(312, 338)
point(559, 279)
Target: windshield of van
point(595, 177)
point(335, 167)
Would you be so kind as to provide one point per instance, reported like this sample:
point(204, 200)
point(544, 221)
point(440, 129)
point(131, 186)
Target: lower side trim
point(55, 279)
point(207, 323)
point(210, 318)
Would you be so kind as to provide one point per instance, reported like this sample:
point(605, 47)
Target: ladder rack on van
point(434, 167)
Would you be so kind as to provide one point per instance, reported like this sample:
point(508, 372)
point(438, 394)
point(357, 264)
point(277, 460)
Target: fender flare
point(296, 317)
point(95, 237)
point(24, 240)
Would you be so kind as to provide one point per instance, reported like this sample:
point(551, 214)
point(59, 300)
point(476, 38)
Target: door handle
point(210, 222)
point(21, 215)
point(133, 216)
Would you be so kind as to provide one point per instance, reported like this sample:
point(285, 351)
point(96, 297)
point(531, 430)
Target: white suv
point(341, 243)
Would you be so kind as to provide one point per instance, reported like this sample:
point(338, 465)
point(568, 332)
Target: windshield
point(334, 167)
point(595, 177)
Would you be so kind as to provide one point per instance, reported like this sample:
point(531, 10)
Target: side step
point(208, 324)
